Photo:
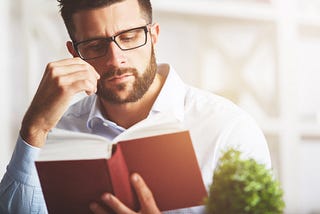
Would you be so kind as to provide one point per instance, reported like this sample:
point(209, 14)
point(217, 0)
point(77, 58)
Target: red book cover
point(166, 162)
point(169, 166)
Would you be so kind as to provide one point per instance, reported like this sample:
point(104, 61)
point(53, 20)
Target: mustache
point(116, 71)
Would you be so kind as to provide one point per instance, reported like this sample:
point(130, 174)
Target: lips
point(119, 77)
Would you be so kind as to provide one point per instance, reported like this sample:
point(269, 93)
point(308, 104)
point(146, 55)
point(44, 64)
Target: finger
point(68, 61)
point(144, 194)
point(97, 209)
point(79, 76)
point(59, 70)
point(115, 204)
point(83, 85)
point(66, 86)
point(66, 66)
point(76, 80)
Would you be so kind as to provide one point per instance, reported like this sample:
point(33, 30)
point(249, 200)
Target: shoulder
point(211, 111)
point(205, 102)
point(222, 124)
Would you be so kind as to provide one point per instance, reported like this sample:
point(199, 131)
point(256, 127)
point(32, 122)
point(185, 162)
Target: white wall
point(230, 50)
point(267, 61)
point(5, 95)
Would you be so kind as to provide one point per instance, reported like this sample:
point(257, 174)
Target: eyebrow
point(104, 37)
point(131, 28)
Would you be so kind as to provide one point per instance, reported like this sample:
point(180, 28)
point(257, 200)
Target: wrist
point(33, 136)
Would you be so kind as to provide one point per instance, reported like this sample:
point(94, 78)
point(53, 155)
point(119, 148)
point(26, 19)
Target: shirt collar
point(171, 97)
point(95, 115)
point(169, 101)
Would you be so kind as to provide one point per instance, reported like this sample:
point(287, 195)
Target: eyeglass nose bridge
point(112, 39)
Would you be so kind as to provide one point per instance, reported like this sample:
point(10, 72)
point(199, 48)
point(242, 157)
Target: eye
point(127, 37)
point(94, 45)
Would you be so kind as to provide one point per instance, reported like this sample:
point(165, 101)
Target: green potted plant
point(243, 187)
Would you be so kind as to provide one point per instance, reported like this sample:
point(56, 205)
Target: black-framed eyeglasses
point(125, 40)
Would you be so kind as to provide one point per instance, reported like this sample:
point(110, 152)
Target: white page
point(158, 124)
point(69, 145)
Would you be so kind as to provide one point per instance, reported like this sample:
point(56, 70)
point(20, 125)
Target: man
point(114, 63)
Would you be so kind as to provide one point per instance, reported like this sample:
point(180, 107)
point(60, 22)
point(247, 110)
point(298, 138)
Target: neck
point(128, 114)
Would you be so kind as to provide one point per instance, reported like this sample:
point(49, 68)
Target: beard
point(139, 87)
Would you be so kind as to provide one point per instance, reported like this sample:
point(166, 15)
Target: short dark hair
point(70, 7)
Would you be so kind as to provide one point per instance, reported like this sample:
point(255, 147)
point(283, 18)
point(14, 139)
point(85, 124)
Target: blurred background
point(262, 54)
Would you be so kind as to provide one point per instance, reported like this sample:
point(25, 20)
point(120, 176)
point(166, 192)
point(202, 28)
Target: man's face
point(125, 75)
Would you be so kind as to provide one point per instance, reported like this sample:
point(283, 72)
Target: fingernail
point(106, 196)
point(135, 177)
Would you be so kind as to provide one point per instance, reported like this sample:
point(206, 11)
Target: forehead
point(107, 21)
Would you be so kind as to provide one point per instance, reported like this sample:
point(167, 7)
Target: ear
point(71, 49)
point(155, 30)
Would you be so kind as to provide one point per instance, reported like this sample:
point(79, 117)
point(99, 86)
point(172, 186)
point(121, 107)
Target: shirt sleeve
point(20, 190)
point(245, 135)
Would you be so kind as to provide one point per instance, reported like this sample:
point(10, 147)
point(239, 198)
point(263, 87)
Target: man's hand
point(147, 203)
point(61, 80)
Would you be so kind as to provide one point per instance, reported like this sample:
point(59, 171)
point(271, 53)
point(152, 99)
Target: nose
point(115, 56)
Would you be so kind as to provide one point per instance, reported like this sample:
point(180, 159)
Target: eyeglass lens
point(127, 40)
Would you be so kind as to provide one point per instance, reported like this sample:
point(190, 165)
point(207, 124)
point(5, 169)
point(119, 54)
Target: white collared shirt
point(215, 124)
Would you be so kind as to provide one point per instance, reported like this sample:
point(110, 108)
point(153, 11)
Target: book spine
point(120, 180)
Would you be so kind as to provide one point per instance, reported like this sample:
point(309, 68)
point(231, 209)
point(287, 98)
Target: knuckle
point(78, 59)
point(50, 66)
point(51, 70)
point(87, 66)
point(147, 197)
point(58, 81)
point(87, 83)
point(116, 206)
point(60, 86)
point(84, 68)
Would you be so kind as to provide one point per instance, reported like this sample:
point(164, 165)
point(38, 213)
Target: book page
point(68, 145)
point(161, 123)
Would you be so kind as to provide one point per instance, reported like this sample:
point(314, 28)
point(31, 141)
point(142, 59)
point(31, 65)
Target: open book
point(75, 169)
